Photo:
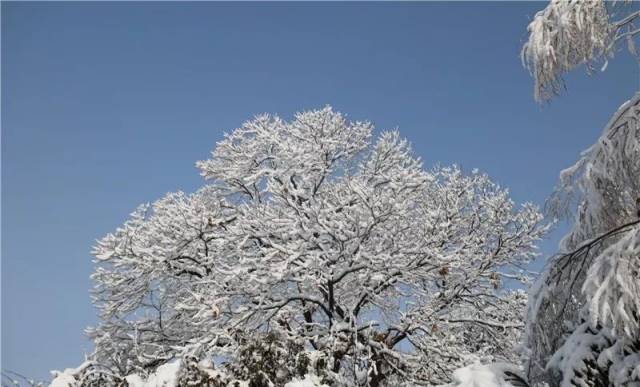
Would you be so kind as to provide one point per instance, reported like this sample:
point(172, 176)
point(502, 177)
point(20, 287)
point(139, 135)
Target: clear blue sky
point(108, 105)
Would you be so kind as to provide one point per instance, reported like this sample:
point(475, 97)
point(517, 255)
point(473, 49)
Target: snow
point(66, 378)
point(63, 380)
point(165, 376)
point(480, 375)
point(308, 381)
point(135, 381)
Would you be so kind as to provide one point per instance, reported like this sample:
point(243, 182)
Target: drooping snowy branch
point(570, 33)
point(612, 286)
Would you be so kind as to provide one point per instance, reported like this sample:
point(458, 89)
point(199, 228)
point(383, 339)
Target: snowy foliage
point(612, 287)
point(584, 315)
point(583, 320)
point(172, 374)
point(596, 356)
point(347, 246)
point(180, 373)
point(486, 334)
point(604, 350)
point(569, 33)
point(602, 188)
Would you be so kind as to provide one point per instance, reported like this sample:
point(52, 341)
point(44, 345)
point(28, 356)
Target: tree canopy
point(344, 244)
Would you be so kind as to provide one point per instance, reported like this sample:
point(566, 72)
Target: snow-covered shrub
point(201, 374)
point(274, 359)
point(188, 372)
point(264, 363)
point(88, 374)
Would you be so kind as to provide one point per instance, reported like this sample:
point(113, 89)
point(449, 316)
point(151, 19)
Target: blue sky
point(109, 105)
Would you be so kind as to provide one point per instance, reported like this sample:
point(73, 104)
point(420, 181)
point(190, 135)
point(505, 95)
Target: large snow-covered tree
point(309, 229)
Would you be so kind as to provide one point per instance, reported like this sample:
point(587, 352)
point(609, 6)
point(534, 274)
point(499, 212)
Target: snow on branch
point(583, 315)
point(613, 286)
point(569, 33)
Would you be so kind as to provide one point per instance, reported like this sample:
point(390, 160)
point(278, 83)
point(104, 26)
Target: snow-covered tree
point(583, 320)
point(584, 315)
point(570, 33)
point(384, 270)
